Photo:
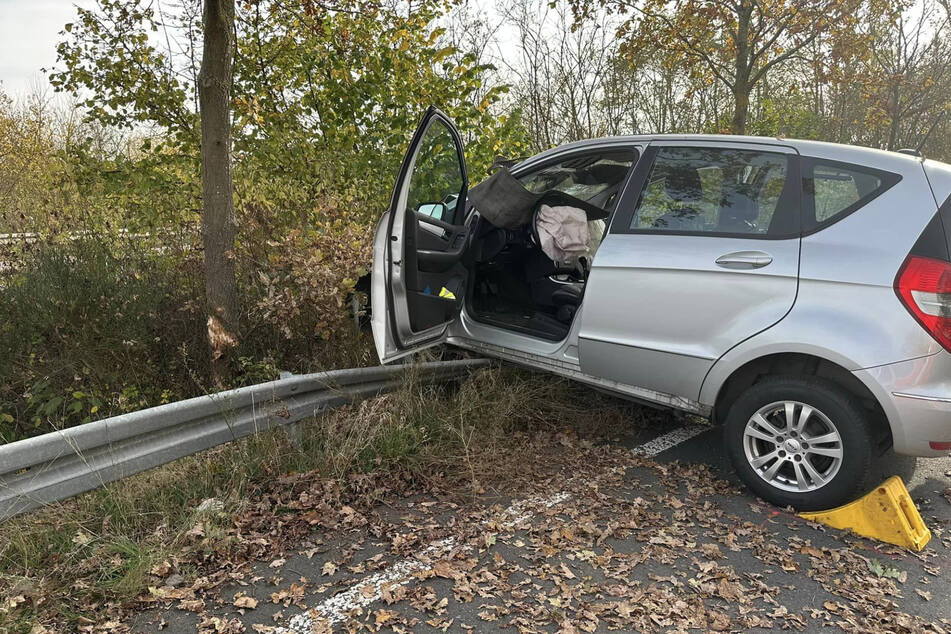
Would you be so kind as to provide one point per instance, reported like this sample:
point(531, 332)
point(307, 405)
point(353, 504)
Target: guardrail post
point(293, 431)
point(295, 434)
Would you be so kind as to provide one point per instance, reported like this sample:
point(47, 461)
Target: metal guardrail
point(30, 238)
point(38, 471)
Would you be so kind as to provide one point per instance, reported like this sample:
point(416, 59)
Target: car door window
point(437, 179)
point(714, 190)
point(595, 177)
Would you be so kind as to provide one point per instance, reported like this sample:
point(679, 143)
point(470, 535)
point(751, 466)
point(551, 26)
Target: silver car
point(796, 292)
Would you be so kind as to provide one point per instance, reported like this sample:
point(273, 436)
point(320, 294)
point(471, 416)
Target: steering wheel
point(533, 227)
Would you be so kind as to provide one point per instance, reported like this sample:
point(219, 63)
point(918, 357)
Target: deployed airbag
point(562, 232)
point(503, 201)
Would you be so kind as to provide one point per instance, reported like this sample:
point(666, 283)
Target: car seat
point(684, 188)
point(738, 211)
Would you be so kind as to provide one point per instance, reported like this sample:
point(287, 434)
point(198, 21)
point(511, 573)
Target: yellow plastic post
point(886, 514)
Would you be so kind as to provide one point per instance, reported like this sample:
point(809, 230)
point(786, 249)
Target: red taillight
point(924, 287)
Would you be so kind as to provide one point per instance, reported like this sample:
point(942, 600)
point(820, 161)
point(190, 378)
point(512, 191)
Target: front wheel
point(800, 442)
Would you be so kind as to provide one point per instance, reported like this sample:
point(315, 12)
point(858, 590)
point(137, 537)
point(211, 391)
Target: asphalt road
point(611, 539)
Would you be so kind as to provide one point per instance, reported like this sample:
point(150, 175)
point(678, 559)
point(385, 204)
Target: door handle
point(744, 260)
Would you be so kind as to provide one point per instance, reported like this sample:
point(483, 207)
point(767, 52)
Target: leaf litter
point(630, 545)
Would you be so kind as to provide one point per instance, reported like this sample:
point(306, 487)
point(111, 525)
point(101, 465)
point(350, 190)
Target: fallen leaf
point(246, 602)
point(385, 616)
point(161, 570)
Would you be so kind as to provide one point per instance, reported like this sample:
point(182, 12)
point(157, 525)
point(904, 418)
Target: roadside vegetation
point(103, 306)
point(111, 551)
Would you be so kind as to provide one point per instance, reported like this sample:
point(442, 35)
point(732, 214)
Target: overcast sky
point(29, 32)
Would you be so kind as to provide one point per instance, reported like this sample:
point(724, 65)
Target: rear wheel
point(800, 442)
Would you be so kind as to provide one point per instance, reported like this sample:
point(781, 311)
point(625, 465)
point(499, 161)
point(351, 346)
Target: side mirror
point(437, 211)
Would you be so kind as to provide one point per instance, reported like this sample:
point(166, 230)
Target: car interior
point(514, 284)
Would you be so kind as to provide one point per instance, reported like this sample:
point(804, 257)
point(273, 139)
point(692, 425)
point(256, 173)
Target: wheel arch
point(748, 373)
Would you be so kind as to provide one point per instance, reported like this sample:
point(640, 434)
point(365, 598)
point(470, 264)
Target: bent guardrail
point(38, 471)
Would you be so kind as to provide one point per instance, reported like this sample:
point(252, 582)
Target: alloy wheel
point(793, 446)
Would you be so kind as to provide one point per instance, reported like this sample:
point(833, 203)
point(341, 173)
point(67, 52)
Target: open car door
point(418, 279)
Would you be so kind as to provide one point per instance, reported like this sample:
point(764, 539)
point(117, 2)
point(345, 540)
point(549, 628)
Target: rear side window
point(720, 191)
point(833, 190)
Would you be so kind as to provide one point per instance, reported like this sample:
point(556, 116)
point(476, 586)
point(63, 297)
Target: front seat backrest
point(738, 211)
point(684, 188)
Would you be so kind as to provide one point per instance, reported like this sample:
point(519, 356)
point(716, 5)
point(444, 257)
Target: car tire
point(815, 463)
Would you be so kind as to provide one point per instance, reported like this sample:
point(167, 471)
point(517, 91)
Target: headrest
point(683, 186)
point(738, 205)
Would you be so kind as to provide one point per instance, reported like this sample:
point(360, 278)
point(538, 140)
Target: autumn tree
point(323, 100)
point(734, 42)
point(646, 92)
point(53, 166)
point(558, 76)
point(909, 77)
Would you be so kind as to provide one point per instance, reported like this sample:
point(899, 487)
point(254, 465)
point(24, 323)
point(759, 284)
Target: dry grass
point(95, 551)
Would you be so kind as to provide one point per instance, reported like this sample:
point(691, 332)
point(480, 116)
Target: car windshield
point(586, 177)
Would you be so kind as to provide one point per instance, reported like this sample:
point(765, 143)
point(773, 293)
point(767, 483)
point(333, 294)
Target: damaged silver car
point(796, 292)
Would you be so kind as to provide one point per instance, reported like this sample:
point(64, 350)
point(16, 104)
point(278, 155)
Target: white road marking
point(365, 591)
point(334, 609)
point(668, 440)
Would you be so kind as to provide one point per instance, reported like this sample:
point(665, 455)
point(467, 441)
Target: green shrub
point(93, 327)
point(297, 289)
point(104, 325)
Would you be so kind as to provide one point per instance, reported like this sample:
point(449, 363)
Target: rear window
point(834, 190)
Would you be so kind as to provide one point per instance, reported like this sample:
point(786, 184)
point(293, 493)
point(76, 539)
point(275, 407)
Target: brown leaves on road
point(601, 540)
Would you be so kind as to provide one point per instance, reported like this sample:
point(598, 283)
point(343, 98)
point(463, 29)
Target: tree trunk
point(894, 110)
point(741, 101)
point(743, 71)
point(218, 224)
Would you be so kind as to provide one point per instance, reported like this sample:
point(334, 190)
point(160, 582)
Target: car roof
point(820, 149)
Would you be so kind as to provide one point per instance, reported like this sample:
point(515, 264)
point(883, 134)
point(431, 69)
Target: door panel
point(440, 245)
point(667, 297)
point(658, 310)
point(418, 249)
